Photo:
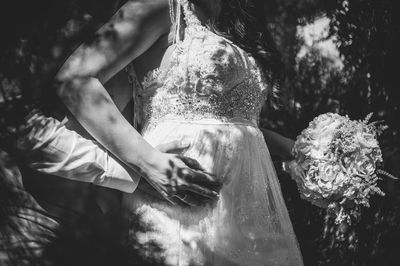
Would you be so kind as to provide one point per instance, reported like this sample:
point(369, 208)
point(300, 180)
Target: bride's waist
point(232, 132)
point(214, 121)
point(199, 122)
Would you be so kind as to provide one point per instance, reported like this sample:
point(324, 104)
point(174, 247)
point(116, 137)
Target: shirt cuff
point(117, 176)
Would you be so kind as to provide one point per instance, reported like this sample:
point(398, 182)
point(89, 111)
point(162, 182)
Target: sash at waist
point(212, 121)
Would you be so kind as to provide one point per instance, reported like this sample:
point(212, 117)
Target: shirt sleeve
point(53, 149)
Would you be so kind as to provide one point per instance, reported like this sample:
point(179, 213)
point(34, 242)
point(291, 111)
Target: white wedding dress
point(211, 96)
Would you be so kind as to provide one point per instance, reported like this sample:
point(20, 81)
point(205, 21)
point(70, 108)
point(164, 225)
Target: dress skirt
point(249, 225)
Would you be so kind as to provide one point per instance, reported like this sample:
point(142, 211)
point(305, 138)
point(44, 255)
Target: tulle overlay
point(249, 225)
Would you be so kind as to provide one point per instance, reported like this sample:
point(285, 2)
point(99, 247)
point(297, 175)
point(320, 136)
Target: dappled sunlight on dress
point(211, 97)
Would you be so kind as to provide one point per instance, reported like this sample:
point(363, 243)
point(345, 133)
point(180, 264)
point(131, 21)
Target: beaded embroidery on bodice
point(208, 78)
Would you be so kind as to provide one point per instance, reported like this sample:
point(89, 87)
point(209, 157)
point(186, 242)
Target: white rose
point(365, 165)
point(366, 140)
point(331, 178)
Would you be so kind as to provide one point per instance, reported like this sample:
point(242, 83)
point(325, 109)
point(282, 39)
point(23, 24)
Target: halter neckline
point(190, 18)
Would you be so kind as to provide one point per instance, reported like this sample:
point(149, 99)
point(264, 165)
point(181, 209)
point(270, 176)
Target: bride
point(207, 92)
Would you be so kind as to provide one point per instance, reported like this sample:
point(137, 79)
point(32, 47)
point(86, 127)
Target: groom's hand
point(181, 180)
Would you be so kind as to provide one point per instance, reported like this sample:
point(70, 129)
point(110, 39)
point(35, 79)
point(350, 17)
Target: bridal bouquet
point(337, 163)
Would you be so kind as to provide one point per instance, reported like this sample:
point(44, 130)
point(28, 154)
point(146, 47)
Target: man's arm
point(49, 147)
point(132, 30)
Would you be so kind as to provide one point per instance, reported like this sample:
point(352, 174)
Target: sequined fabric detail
point(209, 78)
point(150, 77)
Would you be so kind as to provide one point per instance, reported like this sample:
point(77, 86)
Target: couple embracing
point(199, 173)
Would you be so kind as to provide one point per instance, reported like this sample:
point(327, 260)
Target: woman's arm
point(131, 31)
point(278, 144)
point(135, 27)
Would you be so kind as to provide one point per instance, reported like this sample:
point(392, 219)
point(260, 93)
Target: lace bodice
point(209, 77)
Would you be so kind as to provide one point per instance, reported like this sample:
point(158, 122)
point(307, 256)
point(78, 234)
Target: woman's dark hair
point(243, 22)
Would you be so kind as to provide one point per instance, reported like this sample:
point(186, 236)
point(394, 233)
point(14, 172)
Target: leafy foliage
point(367, 36)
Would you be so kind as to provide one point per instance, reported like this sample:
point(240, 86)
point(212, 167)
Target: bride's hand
point(179, 179)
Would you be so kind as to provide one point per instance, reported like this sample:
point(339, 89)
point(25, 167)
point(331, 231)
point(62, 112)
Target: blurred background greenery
point(339, 55)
